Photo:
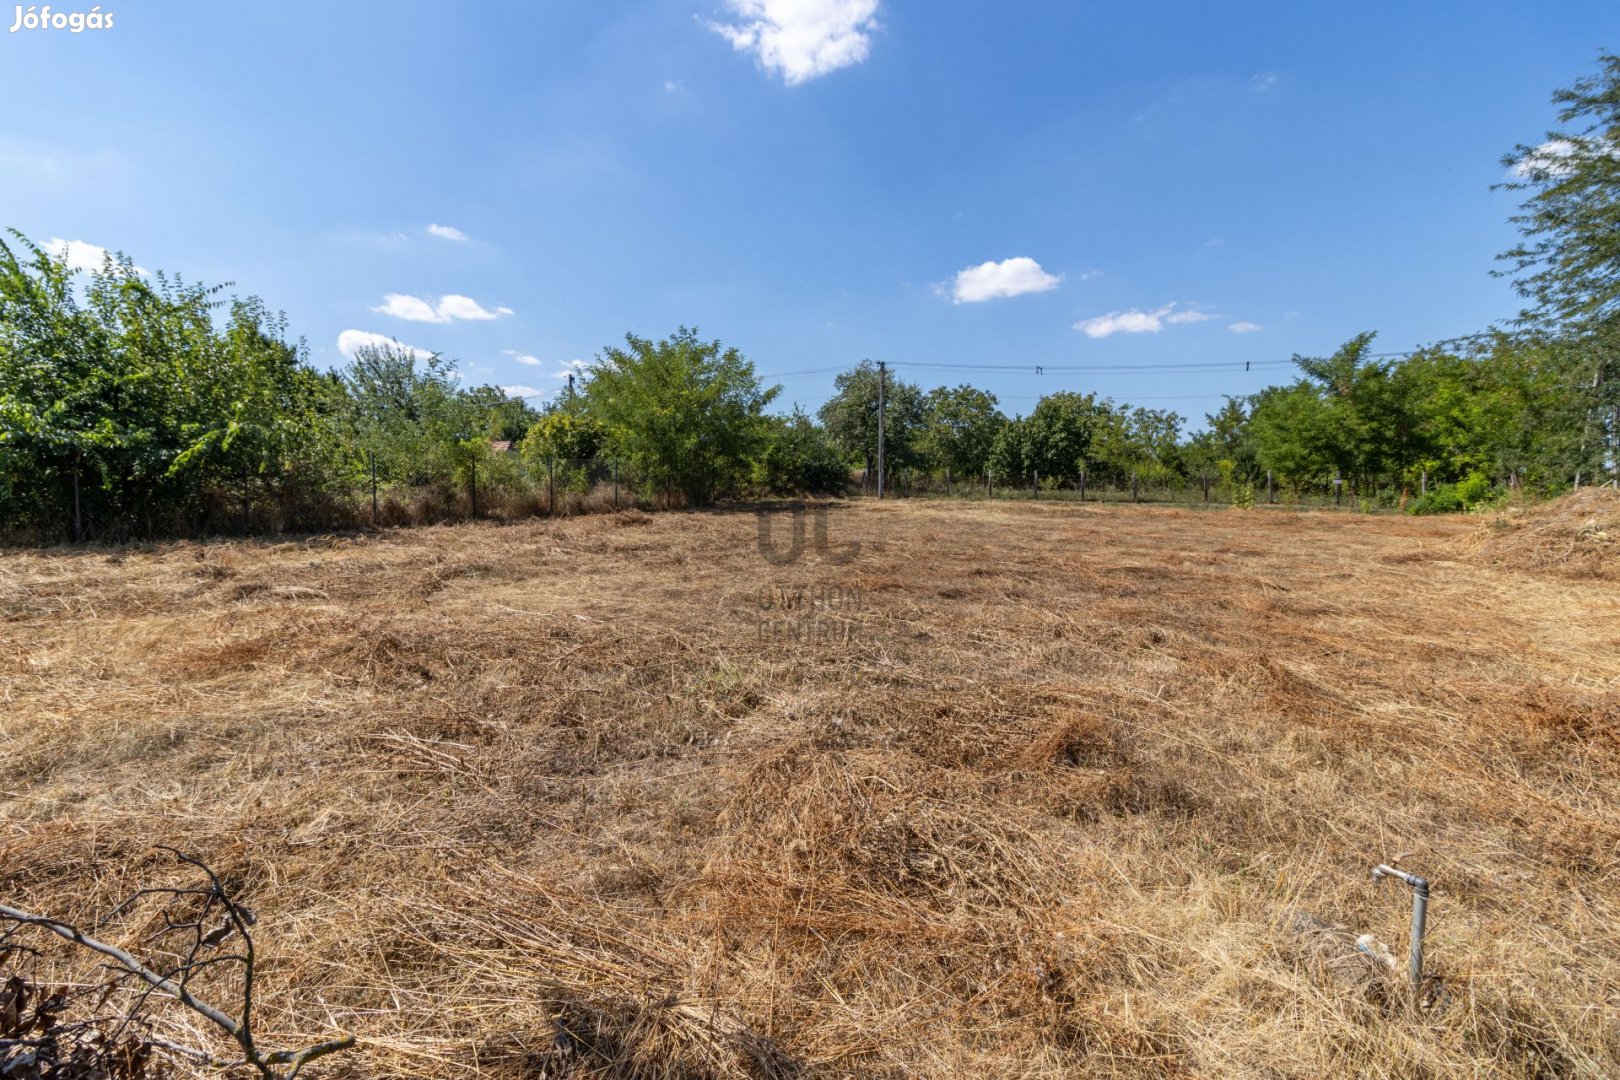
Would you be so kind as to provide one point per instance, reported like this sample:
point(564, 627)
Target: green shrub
point(1473, 492)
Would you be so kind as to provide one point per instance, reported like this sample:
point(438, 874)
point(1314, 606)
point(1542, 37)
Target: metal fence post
point(615, 483)
point(1134, 489)
point(472, 481)
point(1270, 494)
point(551, 486)
point(372, 454)
point(1082, 485)
point(1034, 483)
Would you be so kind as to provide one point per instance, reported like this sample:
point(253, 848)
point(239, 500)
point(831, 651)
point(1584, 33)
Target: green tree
point(1568, 263)
point(850, 418)
point(686, 415)
point(1062, 432)
point(797, 456)
point(959, 429)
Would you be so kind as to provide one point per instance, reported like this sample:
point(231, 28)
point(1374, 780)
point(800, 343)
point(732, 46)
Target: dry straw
point(1093, 791)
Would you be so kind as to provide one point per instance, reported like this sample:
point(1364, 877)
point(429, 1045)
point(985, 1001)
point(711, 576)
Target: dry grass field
point(1044, 792)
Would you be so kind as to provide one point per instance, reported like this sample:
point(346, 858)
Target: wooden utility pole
point(883, 371)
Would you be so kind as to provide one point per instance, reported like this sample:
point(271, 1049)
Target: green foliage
point(1472, 492)
point(850, 417)
point(1568, 266)
point(687, 416)
point(959, 430)
point(799, 457)
point(562, 435)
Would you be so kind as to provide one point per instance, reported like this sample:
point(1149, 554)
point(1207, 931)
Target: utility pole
point(883, 372)
point(570, 387)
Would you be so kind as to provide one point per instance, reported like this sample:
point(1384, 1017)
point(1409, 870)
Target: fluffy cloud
point(572, 367)
point(1556, 158)
point(521, 391)
point(522, 358)
point(995, 280)
point(78, 255)
point(1140, 322)
point(447, 308)
point(1177, 317)
point(351, 341)
point(1244, 327)
point(801, 39)
point(447, 232)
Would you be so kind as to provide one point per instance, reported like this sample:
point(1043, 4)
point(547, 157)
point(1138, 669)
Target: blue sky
point(1152, 183)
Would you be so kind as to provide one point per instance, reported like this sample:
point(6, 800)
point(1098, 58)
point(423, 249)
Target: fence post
point(472, 481)
point(551, 486)
point(948, 488)
point(1423, 483)
point(1338, 489)
point(1082, 485)
point(989, 485)
point(78, 521)
point(1034, 483)
point(372, 454)
point(244, 504)
point(1206, 487)
point(615, 483)
point(1134, 489)
point(1270, 493)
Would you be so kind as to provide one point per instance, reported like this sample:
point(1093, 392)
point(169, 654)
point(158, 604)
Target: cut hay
point(1576, 536)
point(1091, 792)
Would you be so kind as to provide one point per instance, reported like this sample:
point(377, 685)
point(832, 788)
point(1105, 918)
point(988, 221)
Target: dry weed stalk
point(211, 918)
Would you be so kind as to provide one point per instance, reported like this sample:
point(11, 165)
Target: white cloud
point(1177, 317)
point(521, 391)
point(78, 255)
point(995, 280)
point(522, 358)
point(1551, 158)
point(572, 367)
point(801, 39)
point(673, 85)
point(1262, 82)
point(1139, 322)
point(447, 232)
point(1556, 158)
point(1244, 327)
point(448, 308)
point(1090, 275)
point(351, 341)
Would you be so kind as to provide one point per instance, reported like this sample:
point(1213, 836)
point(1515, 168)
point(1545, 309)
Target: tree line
point(135, 404)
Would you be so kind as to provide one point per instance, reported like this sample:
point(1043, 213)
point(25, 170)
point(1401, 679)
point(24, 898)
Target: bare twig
point(267, 1064)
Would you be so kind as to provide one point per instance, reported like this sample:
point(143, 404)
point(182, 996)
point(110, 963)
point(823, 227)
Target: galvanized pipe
point(1420, 912)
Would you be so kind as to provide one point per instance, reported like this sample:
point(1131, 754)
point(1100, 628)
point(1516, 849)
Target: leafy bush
point(799, 457)
point(1473, 492)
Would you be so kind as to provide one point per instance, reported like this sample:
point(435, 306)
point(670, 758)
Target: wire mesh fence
point(1210, 489)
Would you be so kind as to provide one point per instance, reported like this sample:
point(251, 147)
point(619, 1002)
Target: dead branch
point(234, 921)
